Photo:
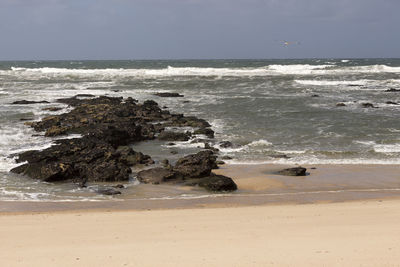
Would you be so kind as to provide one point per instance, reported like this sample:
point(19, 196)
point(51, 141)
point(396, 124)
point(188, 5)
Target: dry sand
point(363, 233)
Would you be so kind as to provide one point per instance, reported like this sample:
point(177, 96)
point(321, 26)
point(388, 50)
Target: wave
point(333, 83)
point(294, 69)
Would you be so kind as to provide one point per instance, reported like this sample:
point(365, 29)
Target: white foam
point(261, 142)
point(333, 83)
point(106, 74)
point(313, 160)
point(392, 148)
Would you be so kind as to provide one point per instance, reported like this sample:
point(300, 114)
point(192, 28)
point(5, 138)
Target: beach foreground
point(336, 234)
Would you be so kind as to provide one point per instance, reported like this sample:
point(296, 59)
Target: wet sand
point(258, 185)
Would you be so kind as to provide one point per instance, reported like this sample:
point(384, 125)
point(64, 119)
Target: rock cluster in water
point(108, 125)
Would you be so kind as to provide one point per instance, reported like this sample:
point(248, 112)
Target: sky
point(198, 29)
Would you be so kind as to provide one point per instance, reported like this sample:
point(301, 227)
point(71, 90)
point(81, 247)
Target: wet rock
point(214, 183)
point(297, 171)
point(85, 95)
point(52, 109)
point(392, 90)
point(27, 102)
point(174, 152)
point(173, 136)
point(205, 131)
point(165, 162)
point(196, 165)
point(26, 119)
point(391, 103)
point(109, 191)
point(119, 186)
point(48, 172)
point(156, 176)
point(279, 156)
point(168, 94)
point(209, 147)
point(220, 162)
point(171, 144)
point(226, 158)
point(56, 130)
point(80, 160)
point(368, 105)
point(340, 104)
point(225, 144)
point(108, 125)
point(314, 95)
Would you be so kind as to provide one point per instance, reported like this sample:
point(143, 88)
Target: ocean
point(273, 111)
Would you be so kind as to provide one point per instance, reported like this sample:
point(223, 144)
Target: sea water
point(273, 111)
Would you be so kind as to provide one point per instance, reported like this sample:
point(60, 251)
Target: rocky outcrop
point(192, 170)
point(108, 125)
point(297, 171)
point(81, 160)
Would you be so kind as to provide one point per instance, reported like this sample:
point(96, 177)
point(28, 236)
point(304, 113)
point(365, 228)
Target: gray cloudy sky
point(171, 29)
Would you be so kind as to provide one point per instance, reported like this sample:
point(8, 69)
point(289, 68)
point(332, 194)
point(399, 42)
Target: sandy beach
point(338, 215)
point(338, 234)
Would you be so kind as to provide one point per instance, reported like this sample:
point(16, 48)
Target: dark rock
point(209, 147)
point(174, 152)
point(279, 156)
point(205, 131)
point(367, 105)
point(56, 130)
point(156, 176)
point(168, 95)
point(196, 165)
point(297, 171)
point(391, 103)
point(119, 186)
point(109, 191)
point(220, 162)
point(214, 183)
point(340, 104)
point(225, 144)
point(226, 157)
point(52, 109)
point(26, 119)
point(313, 168)
point(27, 102)
point(392, 90)
point(173, 136)
point(85, 95)
point(108, 125)
point(171, 144)
point(165, 162)
point(186, 101)
point(314, 95)
point(80, 160)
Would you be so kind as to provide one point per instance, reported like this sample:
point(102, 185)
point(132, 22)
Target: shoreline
point(330, 234)
point(259, 185)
